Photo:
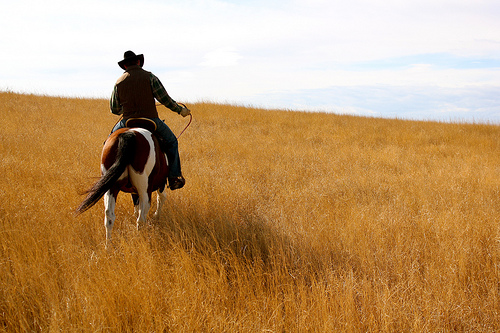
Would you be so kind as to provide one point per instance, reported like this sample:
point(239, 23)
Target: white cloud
point(222, 57)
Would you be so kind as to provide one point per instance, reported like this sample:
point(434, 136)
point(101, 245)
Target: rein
point(190, 118)
point(189, 123)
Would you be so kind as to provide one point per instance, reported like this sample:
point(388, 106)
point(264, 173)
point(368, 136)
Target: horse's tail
point(124, 156)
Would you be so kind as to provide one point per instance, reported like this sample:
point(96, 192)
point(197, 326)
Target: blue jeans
point(171, 148)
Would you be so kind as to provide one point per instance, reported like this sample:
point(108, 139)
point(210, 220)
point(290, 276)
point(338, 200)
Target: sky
point(408, 59)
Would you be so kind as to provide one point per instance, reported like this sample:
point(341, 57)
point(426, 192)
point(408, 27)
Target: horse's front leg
point(160, 200)
point(109, 214)
point(135, 200)
point(143, 208)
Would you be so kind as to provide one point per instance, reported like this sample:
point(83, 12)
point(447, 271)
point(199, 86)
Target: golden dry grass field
point(289, 222)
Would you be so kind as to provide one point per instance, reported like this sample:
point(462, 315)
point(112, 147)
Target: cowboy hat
point(130, 57)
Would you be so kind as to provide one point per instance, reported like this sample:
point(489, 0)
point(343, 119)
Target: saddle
point(149, 125)
point(145, 123)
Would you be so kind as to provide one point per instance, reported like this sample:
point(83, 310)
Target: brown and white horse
point(131, 162)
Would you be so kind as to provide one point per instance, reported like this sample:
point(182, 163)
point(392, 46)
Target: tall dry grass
point(289, 222)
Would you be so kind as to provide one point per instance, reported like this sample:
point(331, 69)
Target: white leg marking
point(109, 214)
point(144, 205)
point(140, 181)
point(160, 200)
point(136, 211)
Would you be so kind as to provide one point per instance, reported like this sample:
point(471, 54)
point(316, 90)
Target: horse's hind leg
point(160, 200)
point(109, 213)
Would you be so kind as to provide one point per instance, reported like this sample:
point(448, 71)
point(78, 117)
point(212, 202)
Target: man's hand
point(185, 112)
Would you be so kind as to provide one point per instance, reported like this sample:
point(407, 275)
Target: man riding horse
point(134, 97)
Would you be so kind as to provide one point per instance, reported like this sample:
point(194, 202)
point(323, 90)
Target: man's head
point(130, 59)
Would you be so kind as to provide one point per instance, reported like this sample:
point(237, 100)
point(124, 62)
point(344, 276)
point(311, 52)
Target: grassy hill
point(289, 222)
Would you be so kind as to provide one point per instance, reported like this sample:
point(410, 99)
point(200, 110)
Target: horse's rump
point(138, 148)
point(118, 152)
point(128, 147)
